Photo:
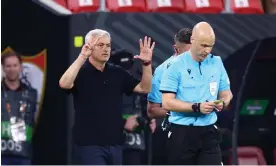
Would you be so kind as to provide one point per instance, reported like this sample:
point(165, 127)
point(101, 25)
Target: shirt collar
point(93, 68)
point(192, 61)
point(5, 87)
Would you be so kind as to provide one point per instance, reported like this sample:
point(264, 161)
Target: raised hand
point(88, 48)
point(146, 50)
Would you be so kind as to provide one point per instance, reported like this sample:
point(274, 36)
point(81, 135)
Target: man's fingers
point(97, 38)
point(136, 57)
point(207, 111)
point(87, 47)
point(208, 107)
point(145, 41)
point(149, 40)
point(141, 44)
point(210, 110)
point(94, 42)
point(217, 109)
point(211, 104)
point(152, 46)
point(219, 105)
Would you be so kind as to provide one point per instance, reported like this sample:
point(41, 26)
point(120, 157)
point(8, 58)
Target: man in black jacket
point(98, 88)
point(18, 110)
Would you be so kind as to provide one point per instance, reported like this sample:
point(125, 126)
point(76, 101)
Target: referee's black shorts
point(159, 147)
point(194, 145)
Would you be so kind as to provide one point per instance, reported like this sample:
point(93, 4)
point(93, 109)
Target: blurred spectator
point(18, 106)
point(269, 6)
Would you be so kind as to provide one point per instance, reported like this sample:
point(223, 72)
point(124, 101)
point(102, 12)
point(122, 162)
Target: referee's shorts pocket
point(216, 134)
point(177, 144)
point(176, 137)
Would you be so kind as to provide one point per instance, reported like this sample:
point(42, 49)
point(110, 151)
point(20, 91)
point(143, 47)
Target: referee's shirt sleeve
point(155, 95)
point(170, 79)
point(224, 83)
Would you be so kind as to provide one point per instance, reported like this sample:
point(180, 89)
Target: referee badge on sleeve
point(213, 88)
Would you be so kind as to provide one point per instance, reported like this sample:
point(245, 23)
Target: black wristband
point(146, 63)
point(196, 107)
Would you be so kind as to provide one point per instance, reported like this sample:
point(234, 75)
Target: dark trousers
point(159, 147)
point(194, 145)
point(98, 155)
point(10, 160)
point(133, 157)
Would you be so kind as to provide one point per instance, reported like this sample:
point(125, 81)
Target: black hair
point(183, 36)
point(10, 54)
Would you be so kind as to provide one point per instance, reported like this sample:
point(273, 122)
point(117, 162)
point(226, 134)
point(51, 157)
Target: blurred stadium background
point(244, 28)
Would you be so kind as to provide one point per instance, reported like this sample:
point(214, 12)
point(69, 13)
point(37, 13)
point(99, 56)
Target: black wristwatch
point(196, 107)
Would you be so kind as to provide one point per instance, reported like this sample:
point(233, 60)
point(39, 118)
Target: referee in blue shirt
point(182, 41)
point(193, 88)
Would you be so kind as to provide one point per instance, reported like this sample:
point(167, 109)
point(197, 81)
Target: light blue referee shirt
point(155, 96)
point(195, 82)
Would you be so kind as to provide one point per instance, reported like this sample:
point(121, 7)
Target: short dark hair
point(10, 54)
point(183, 36)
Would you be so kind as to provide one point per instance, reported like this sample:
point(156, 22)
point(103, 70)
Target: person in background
point(18, 113)
point(194, 87)
point(98, 88)
point(134, 152)
point(269, 6)
point(182, 44)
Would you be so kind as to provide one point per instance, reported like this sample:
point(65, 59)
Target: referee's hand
point(207, 107)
